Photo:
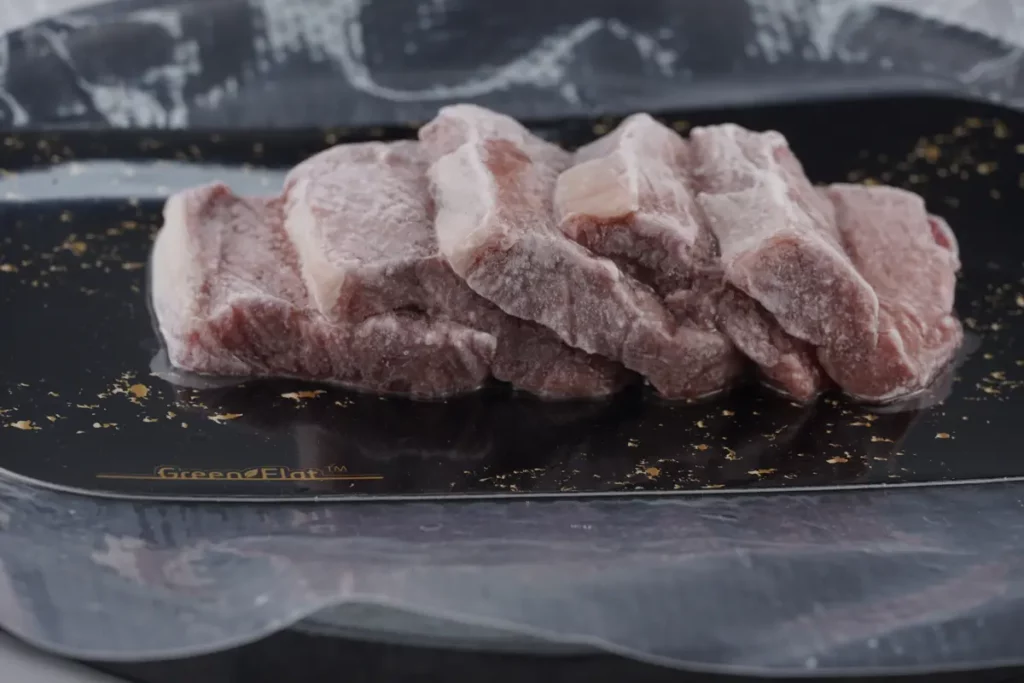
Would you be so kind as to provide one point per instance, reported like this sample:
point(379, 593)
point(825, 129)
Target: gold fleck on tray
point(81, 409)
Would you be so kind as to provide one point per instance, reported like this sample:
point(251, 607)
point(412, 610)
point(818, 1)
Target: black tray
point(82, 411)
point(273, 659)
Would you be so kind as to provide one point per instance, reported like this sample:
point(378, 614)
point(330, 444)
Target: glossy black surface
point(273, 660)
point(81, 410)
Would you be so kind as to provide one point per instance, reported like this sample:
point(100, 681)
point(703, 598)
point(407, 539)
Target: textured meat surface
point(229, 297)
point(458, 124)
point(362, 218)
point(357, 215)
point(780, 246)
point(422, 268)
point(787, 364)
point(496, 227)
point(629, 197)
point(911, 260)
point(730, 158)
point(777, 241)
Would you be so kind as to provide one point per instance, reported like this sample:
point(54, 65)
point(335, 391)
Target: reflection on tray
point(493, 441)
point(80, 402)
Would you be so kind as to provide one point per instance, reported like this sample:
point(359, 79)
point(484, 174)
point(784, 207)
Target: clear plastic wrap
point(922, 579)
point(280, 63)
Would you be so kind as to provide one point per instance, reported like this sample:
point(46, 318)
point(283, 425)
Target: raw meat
point(780, 246)
point(787, 364)
point(230, 300)
point(458, 124)
point(629, 198)
point(423, 268)
point(778, 241)
point(729, 158)
point(361, 216)
point(911, 260)
point(493, 184)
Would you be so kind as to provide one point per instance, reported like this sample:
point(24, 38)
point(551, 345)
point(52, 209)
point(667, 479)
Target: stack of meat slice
point(789, 285)
point(347, 256)
point(361, 217)
point(910, 259)
point(482, 250)
point(227, 290)
point(494, 183)
point(864, 277)
point(633, 196)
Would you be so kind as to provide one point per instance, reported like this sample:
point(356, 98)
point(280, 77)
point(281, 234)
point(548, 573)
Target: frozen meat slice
point(778, 239)
point(229, 299)
point(358, 216)
point(729, 158)
point(361, 216)
point(496, 227)
point(911, 260)
point(458, 124)
point(787, 364)
point(629, 197)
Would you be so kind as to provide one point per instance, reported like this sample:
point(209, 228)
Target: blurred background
point(260, 63)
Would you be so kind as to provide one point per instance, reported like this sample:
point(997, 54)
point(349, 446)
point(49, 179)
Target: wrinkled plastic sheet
point(850, 582)
point(288, 63)
point(854, 582)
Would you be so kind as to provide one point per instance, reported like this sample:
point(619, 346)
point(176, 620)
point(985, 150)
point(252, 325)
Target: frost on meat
point(788, 364)
point(777, 243)
point(358, 216)
point(482, 250)
point(461, 123)
point(911, 261)
point(362, 218)
point(493, 184)
point(230, 300)
point(629, 198)
point(780, 246)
